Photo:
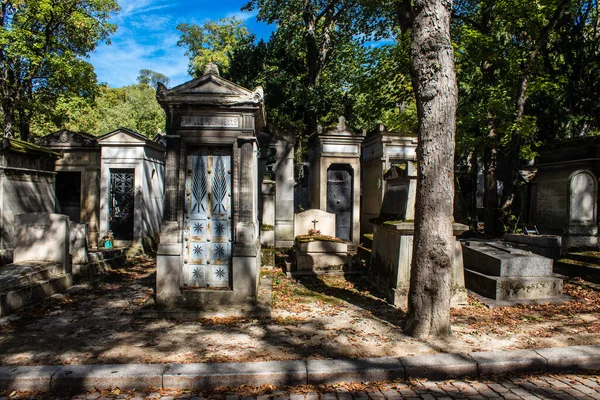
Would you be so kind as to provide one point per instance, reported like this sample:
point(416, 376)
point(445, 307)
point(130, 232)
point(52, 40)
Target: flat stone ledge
point(354, 370)
point(208, 376)
point(506, 362)
point(439, 366)
point(109, 376)
point(27, 378)
point(574, 358)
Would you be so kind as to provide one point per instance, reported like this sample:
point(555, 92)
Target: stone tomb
point(77, 178)
point(499, 272)
point(42, 264)
point(334, 178)
point(380, 152)
point(209, 251)
point(276, 166)
point(391, 260)
point(314, 219)
point(131, 188)
point(319, 256)
point(27, 180)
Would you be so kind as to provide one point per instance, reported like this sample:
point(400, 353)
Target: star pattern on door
point(198, 228)
point(197, 250)
point(220, 273)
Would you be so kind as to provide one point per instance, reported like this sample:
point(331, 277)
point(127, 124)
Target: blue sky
point(147, 37)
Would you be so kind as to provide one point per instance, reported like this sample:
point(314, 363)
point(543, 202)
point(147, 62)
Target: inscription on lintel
point(212, 122)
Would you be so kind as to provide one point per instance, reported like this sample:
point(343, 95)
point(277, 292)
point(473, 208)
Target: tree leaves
point(41, 48)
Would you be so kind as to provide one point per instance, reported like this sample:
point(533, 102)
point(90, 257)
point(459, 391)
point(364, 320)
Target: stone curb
point(298, 372)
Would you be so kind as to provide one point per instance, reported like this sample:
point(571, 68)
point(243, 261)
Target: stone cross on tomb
point(314, 221)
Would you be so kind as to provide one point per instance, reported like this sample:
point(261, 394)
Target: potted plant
point(106, 241)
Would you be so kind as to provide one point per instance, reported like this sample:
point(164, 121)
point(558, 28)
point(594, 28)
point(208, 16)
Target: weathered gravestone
point(314, 220)
point(391, 257)
point(319, 256)
point(42, 237)
point(41, 264)
point(582, 228)
point(391, 260)
point(499, 272)
point(78, 243)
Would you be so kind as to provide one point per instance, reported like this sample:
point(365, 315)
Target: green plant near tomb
point(266, 228)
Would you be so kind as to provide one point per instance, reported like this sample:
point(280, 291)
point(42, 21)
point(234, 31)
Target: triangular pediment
point(122, 136)
point(126, 137)
point(65, 138)
point(210, 85)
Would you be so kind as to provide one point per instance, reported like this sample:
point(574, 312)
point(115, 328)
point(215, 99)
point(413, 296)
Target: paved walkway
point(563, 387)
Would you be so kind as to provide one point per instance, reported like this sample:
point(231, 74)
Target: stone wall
point(26, 186)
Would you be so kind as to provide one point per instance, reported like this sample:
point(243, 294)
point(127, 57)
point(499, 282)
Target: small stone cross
point(314, 221)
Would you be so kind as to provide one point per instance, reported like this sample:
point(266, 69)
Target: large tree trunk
point(434, 81)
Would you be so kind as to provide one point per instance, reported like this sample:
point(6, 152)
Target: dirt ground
point(315, 318)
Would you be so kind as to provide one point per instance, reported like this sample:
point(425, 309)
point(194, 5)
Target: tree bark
point(434, 82)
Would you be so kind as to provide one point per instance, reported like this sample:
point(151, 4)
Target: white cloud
point(133, 7)
point(119, 64)
point(243, 15)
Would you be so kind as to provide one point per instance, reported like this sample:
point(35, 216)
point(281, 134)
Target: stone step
point(17, 297)
point(513, 288)
point(590, 257)
point(24, 273)
point(575, 268)
point(100, 262)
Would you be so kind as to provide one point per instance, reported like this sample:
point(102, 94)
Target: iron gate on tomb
point(122, 200)
point(339, 199)
point(207, 219)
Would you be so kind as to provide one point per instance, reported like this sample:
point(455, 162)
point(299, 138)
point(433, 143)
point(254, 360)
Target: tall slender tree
point(434, 82)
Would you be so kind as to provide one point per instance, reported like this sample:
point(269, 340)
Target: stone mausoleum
point(77, 178)
point(131, 188)
point(380, 152)
point(209, 251)
point(113, 182)
point(334, 178)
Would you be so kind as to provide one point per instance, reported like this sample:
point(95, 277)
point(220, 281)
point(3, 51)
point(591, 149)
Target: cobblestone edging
point(292, 373)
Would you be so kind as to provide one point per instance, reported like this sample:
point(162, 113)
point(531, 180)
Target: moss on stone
point(317, 238)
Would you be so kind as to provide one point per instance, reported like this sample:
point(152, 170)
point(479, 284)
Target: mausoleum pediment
point(65, 138)
point(210, 89)
point(126, 137)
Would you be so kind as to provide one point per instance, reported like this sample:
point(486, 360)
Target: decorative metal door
point(122, 200)
point(339, 199)
point(207, 235)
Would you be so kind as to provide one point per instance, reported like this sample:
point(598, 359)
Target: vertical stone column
point(168, 256)
point(91, 204)
point(172, 177)
point(267, 232)
point(246, 194)
point(284, 196)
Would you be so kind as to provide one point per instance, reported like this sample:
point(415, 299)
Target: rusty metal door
point(339, 199)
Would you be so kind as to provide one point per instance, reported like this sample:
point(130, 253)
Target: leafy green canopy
point(212, 42)
point(134, 107)
point(42, 48)
point(319, 63)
